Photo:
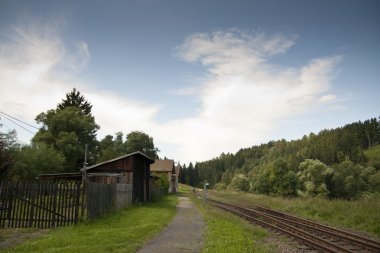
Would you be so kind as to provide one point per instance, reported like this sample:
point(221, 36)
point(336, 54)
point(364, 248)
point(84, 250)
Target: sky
point(200, 77)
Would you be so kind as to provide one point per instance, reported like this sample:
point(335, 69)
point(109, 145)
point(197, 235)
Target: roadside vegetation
point(228, 233)
point(123, 231)
point(360, 215)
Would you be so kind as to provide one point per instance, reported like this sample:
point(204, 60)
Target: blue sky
point(201, 77)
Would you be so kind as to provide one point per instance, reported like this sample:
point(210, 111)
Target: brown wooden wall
point(140, 179)
point(124, 164)
point(134, 169)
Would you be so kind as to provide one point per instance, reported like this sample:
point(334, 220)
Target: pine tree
point(74, 98)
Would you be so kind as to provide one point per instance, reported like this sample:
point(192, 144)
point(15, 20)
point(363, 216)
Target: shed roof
point(121, 157)
point(162, 165)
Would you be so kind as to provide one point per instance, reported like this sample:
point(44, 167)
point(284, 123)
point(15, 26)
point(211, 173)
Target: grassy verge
point(362, 215)
point(228, 233)
point(123, 231)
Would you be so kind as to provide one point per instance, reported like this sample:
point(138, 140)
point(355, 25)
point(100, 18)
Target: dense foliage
point(135, 141)
point(59, 145)
point(331, 163)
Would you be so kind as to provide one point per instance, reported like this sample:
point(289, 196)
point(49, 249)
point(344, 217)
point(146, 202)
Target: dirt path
point(184, 234)
point(14, 236)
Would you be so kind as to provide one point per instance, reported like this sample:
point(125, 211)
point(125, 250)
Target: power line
point(19, 120)
point(18, 124)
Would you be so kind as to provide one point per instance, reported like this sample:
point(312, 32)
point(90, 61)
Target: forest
point(335, 163)
point(59, 144)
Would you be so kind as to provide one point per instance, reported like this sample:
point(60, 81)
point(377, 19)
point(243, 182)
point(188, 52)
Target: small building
point(166, 167)
point(128, 169)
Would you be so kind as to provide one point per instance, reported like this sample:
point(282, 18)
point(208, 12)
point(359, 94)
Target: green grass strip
point(362, 215)
point(123, 231)
point(228, 233)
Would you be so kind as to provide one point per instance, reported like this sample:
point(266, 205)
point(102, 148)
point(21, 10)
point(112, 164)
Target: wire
point(18, 125)
point(19, 120)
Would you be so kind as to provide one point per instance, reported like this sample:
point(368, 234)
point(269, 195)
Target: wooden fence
point(39, 204)
point(102, 198)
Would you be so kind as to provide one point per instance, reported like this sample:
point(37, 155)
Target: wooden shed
point(128, 169)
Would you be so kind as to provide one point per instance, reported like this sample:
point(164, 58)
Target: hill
point(334, 163)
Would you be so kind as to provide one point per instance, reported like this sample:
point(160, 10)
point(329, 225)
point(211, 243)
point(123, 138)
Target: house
point(167, 168)
point(128, 169)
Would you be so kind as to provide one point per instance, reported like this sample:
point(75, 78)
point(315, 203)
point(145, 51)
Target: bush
point(162, 181)
point(239, 183)
point(220, 186)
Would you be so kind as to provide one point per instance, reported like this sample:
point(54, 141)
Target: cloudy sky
point(200, 77)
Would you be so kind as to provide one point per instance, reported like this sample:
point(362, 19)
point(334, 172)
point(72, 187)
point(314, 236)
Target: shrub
point(220, 186)
point(239, 183)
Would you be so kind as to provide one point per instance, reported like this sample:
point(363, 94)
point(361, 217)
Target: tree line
point(59, 144)
point(330, 164)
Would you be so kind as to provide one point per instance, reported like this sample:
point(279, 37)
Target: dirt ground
point(12, 236)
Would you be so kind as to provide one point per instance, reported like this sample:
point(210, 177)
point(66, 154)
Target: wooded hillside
point(331, 163)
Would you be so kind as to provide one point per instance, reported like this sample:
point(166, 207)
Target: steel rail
point(358, 240)
point(281, 225)
point(300, 234)
point(304, 240)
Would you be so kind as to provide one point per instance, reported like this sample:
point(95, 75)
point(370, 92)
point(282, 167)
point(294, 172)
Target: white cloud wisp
point(36, 70)
point(244, 95)
point(241, 97)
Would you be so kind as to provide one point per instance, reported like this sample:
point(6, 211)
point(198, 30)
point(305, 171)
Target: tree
point(162, 181)
point(68, 131)
point(140, 141)
point(31, 161)
point(350, 180)
point(182, 174)
point(8, 147)
point(240, 183)
point(75, 99)
point(107, 149)
point(313, 177)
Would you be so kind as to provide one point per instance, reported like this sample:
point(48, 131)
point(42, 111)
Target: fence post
point(77, 202)
point(33, 193)
point(54, 213)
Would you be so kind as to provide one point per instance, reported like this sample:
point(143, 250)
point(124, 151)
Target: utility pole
point(84, 179)
point(205, 193)
point(84, 164)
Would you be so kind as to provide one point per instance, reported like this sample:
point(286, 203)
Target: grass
point(362, 215)
point(228, 233)
point(123, 231)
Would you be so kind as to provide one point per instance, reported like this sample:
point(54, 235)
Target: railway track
point(315, 235)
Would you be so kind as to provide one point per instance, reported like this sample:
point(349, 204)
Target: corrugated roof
point(118, 158)
point(162, 165)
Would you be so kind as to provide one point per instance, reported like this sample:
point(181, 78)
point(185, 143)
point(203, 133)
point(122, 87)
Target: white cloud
point(36, 70)
point(241, 97)
point(327, 98)
point(244, 95)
